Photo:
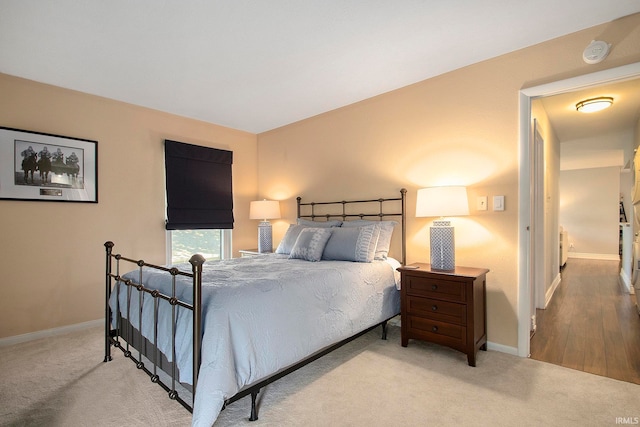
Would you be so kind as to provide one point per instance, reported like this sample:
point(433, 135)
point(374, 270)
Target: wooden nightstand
point(445, 307)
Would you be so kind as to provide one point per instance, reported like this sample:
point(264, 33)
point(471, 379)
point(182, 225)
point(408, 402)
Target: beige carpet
point(369, 382)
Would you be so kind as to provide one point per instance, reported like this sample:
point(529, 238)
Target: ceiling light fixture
point(594, 104)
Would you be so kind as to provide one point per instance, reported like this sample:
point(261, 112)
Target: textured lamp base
point(265, 242)
point(442, 246)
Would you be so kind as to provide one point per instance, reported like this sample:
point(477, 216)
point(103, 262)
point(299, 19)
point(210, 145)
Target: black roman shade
point(199, 192)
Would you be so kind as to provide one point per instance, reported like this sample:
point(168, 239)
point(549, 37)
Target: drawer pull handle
point(434, 307)
point(434, 287)
point(434, 328)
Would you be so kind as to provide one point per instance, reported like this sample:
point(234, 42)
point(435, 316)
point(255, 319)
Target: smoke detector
point(596, 52)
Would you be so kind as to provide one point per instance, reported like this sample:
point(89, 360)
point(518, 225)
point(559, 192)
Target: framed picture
point(43, 167)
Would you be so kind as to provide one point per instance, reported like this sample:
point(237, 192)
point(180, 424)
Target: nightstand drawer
point(437, 309)
point(438, 332)
point(435, 288)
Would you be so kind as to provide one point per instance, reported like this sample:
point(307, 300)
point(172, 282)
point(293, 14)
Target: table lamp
point(441, 202)
point(264, 210)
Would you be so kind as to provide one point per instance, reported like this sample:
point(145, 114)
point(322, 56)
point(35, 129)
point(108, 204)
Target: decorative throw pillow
point(310, 244)
point(384, 240)
point(289, 239)
point(321, 224)
point(352, 244)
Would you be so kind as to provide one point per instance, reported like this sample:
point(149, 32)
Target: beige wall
point(590, 211)
point(457, 128)
point(591, 235)
point(52, 254)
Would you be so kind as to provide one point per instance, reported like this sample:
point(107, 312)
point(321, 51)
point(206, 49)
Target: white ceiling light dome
point(594, 104)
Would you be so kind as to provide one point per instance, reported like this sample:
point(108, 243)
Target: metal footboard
point(113, 335)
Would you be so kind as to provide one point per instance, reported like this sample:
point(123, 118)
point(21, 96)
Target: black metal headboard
point(385, 208)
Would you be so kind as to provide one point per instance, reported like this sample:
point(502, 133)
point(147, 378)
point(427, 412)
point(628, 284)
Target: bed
point(222, 330)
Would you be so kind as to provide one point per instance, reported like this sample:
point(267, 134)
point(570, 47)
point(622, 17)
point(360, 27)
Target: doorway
point(528, 236)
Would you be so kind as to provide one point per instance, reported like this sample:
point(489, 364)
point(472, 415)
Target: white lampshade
point(442, 201)
point(264, 209)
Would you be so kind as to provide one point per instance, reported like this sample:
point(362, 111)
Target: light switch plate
point(482, 203)
point(498, 203)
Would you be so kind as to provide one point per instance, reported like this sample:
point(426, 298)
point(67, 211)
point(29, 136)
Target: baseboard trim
point(49, 332)
point(604, 257)
point(625, 281)
point(552, 290)
point(502, 348)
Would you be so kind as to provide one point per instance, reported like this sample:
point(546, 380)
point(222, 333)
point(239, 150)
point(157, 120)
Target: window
point(199, 201)
point(211, 244)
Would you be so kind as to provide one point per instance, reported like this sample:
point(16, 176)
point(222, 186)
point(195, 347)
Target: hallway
point(590, 324)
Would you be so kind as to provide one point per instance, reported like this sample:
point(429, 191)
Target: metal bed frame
point(115, 336)
point(380, 214)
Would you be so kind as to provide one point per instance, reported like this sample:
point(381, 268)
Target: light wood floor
point(590, 324)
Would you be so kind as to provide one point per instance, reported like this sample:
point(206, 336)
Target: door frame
point(526, 235)
point(539, 217)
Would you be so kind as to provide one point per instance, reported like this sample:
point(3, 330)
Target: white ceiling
point(570, 124)
point(258, 65)
point(581, 130)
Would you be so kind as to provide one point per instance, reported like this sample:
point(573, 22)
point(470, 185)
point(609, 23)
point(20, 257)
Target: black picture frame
point(38, 166)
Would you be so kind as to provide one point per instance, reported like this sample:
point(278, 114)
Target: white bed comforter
point(262, 314)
